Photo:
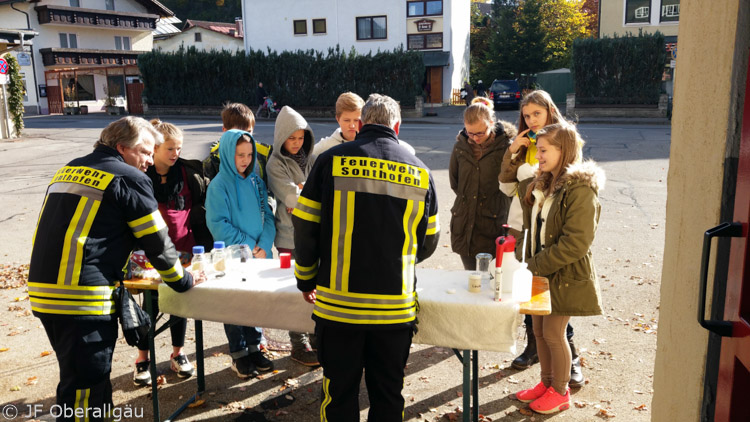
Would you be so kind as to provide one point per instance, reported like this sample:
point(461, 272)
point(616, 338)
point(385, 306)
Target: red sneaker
point(528, 396)
point(551, 402)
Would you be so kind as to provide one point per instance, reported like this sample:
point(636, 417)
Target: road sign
point(3, 79)
point(24, 59)
point(3, 67)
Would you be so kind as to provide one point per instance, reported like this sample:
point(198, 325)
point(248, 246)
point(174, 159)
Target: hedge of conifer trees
point(190, 77)
point(619, 70)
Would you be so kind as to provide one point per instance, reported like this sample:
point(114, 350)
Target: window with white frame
point(122, 43)
point(109, 4)
point(637, 11)
point(424, 8)
point(424, 41)
point(300, 27)
point(319, 26)
point(670, 11)
point(372, 28)
point(68, 40)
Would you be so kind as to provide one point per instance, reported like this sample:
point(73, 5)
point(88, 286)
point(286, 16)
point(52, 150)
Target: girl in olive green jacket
point(561, 211)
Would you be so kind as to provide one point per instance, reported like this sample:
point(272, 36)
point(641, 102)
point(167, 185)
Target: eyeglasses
point(476, 134)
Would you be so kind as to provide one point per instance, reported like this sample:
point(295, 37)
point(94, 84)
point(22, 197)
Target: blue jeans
point(242, 340)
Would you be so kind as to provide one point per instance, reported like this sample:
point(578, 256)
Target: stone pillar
point(663, 104)
point(570, 104)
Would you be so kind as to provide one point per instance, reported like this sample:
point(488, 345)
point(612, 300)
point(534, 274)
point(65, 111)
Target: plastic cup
point(286, 259)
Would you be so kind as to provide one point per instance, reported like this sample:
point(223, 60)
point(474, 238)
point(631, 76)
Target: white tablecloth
point(449, 316)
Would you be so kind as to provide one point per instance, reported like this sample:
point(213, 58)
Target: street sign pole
point(7, 123)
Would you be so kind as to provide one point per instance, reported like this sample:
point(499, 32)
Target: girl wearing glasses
point(480, 208)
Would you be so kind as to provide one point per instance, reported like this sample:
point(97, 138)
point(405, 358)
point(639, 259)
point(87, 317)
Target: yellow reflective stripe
point(173, 274)
point(353, 316)
point(355, 304)
point(433, 225)
point(82, 402)
point(215, 149)
point(335, 238)
point(70, 292)
point(349, 227)
point(409, 252)
point(81, 242)
point(306, 215)
point(262, 149)
point(72, 307)
point(148, 224)
point(63, 270)
point(38, 219)
point(305, 273)
point(326, 399)
point(402, 297)
point(308, 202)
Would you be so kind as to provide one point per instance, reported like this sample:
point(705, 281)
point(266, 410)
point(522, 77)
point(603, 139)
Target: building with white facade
point(85, 48)
point(440, 28)
point(205, 36)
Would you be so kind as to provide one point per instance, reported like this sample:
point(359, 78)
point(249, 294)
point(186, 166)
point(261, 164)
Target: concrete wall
point(705, 131)
point(210, 41)
point(458, 11)
point(613, 20)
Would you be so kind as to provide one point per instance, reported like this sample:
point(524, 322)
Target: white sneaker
point(182, 366)
point(141, 375)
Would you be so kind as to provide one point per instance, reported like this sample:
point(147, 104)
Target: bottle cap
point(219, 244)
point(198, 249)
point(510, 244)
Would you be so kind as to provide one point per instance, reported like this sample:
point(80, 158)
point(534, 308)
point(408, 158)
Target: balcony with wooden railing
point(96, 18)
point(88, 57)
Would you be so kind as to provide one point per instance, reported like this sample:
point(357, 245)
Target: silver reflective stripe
point(143, 226)
point(103, 292)
point(310, 210)
point(337, 282)
point(72, 260)
point(408, 259)
point(400, 302)
point(359, 316)
point(76, 189)
point(380, 187)
point(106, 307)
point(305, 273)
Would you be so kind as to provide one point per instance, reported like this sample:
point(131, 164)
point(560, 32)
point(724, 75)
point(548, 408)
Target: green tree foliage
point(295, 78)
point(529, 36)
point(16, 92)
point(205, 10)
point(619, 70)
point(480, 34)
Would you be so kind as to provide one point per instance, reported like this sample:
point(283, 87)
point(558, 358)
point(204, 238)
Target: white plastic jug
point(522, 283)
point(510, 265)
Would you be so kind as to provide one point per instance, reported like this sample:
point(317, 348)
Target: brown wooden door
point(733, 388)
point(436, 85)
point(135, 99)
point(54, 99)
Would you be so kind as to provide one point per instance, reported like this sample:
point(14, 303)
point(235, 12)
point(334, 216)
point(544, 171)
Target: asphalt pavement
point(618, 347)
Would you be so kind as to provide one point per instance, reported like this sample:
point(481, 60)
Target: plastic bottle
point(199, 262)
point(218, 256)
point(522, 284)
point(506, 260)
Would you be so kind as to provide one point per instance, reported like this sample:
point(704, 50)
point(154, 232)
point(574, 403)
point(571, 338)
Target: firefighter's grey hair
point(129, 132)
point(381, 110)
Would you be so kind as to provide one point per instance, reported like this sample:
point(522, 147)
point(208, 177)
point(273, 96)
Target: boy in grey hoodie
point(287, 168)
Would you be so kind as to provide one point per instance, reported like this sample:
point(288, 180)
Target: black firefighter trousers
point(344, 352)
point(84, 354)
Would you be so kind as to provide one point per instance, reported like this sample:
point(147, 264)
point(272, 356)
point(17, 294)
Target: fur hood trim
point(587, 173)
point(502, 129)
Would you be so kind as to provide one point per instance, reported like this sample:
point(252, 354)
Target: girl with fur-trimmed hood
point(561, 211)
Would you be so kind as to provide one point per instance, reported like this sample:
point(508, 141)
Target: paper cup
point(286, 259)
point(475, 282)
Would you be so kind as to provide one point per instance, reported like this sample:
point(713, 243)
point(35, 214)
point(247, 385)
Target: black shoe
point(576, 375)
point(260, 361)
point(244, 367)
point(529, 356)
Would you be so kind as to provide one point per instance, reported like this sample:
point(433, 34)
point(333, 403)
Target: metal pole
point(6, 125)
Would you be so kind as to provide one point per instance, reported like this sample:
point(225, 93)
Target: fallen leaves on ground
point(13, 276)
point(32, 381)
point(641, 407)
point(234, 406)
point(161, 380)
point(604, 413)
point(197, 403)
point(45, 353)
point(524, 411)
point(4, 349)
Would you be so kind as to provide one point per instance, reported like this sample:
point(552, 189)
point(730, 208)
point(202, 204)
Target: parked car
point(505, 93)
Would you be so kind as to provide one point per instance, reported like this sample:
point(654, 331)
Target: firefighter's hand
point(259, 253)
point(198, 278)
point(309, 296)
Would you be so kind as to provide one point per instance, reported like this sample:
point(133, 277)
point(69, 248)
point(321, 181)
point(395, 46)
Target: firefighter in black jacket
point(366, 216)
point(98, 209)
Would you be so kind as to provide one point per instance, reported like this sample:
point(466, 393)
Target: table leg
point(475, 384)
point(199, 356)
point(152, 355)
point(467, 381)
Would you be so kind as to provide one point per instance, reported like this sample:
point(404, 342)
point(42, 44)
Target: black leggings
point(178, 326)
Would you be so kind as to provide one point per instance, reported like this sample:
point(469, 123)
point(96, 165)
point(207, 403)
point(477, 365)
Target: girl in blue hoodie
point(237, 212)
